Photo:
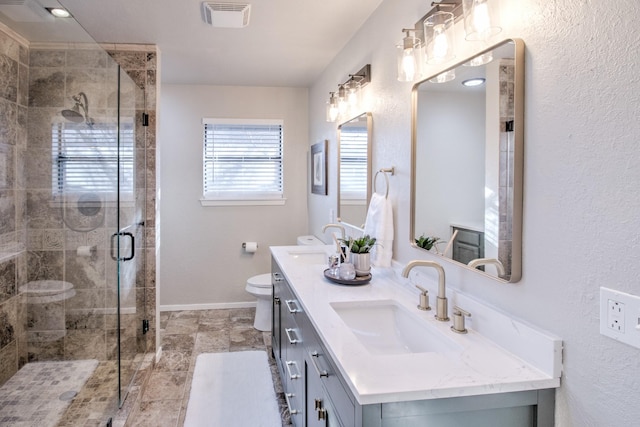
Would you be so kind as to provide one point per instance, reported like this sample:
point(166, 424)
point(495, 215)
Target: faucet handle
point(424, 299)
point(458, 320)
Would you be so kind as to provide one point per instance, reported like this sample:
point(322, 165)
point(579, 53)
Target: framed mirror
point(467, 159)
point(354, 169)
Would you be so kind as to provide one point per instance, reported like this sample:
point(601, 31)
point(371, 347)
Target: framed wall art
point(319, 168)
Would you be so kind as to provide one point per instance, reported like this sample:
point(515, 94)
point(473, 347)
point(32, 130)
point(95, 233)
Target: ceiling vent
point(226, 15)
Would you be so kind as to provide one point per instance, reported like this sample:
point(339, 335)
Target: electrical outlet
point(620, 316)
point(615, 315)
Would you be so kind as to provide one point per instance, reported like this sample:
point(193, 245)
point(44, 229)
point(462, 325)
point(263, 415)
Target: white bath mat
point(39, 393)
point(232, 389)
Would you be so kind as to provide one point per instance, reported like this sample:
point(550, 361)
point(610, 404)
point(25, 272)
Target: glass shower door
point(128, 236)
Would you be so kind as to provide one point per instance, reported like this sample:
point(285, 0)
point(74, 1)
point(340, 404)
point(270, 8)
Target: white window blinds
point(353, 163)
point(85, 159)
point(242, 159)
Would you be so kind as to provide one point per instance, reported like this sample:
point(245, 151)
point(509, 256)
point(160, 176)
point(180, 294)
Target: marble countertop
point(499, 354)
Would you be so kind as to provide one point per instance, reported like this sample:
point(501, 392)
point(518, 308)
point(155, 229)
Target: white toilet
point(260, 287)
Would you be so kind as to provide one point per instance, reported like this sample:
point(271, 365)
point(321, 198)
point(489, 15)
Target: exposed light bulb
point(481, 19)
point(409, 57)
point(440, 42)
point(439, 37)
point(353, 94)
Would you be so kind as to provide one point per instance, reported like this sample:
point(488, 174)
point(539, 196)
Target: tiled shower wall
point(507, 93)
point(37, 83)
point(14, 59)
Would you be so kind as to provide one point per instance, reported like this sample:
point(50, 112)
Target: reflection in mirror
point(354, 165)
point(467, 163)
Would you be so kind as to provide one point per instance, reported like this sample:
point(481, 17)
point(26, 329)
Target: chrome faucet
point(441, 304)
point(342, 231)
point(486, 261)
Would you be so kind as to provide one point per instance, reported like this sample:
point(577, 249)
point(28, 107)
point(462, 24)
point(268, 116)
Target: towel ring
point(386, 179)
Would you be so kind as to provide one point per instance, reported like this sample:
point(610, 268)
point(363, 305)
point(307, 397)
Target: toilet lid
point(260, 281)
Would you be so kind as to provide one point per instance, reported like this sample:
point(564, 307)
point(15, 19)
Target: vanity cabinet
point(318, 394)
point(287, 344)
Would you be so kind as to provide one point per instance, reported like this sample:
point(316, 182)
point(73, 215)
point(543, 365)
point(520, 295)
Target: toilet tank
point(309, 241)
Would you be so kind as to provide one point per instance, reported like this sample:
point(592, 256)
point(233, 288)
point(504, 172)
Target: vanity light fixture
point(332, 107)
point(348, 95)
point(435, 36)
point(480, 20)
point(409, 57)
point(343, 102)
point(439, 38)
point(476, 81)
point(353, 93)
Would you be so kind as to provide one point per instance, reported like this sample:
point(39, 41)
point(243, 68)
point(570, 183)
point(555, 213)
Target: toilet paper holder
point(250, 246)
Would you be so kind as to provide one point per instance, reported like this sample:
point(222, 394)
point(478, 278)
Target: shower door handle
point(133, 246)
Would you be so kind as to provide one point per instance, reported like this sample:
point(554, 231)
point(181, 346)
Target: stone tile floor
point(162, 400)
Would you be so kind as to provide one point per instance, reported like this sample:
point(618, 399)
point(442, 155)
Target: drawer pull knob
point(292, 376)
point(291, 410)
point(321, 373)
point(289, 331)
point(289, 303)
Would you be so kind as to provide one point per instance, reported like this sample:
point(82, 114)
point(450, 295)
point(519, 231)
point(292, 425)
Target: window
point(353, 164)
point(242, 161)
point(85, 159)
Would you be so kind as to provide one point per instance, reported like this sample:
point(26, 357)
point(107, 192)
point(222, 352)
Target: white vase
point(362, 263)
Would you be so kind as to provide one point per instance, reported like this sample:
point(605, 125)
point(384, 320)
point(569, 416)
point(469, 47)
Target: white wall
point(202, 261)
point(581, 183)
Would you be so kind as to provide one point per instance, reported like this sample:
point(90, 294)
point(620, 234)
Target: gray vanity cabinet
point(318, 395)
point(287, 344)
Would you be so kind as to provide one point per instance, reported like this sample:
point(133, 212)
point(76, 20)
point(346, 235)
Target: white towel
point(379, 224)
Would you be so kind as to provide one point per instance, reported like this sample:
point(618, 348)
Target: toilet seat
point(260, 281)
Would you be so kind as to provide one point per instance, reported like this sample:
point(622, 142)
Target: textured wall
point(201, 260)
point(581, 192)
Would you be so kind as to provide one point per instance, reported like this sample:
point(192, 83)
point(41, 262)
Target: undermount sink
point(309, 257)
point(385, 327)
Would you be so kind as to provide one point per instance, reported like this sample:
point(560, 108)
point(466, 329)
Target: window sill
point(231, 202)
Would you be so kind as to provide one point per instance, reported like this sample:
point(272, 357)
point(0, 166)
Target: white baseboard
point(214, 306)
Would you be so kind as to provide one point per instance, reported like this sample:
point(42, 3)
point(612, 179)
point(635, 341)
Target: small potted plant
point(427, 242)
point(360, 253)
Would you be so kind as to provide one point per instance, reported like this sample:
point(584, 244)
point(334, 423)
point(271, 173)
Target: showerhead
point(74, 113)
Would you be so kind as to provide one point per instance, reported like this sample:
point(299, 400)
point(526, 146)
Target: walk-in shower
point(74, 207)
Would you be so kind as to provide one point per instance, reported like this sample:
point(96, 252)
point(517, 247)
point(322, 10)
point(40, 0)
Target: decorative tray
point(359, 280)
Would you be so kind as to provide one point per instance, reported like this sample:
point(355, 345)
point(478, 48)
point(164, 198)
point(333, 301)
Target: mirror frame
point(369, 118)
point(518, 129)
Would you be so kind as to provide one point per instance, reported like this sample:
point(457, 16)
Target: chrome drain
point(68, 395)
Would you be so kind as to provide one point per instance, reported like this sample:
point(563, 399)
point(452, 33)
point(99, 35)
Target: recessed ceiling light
point(473, 82)
point(59, 12)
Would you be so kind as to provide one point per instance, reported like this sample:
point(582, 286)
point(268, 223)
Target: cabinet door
point(319, 411)
point(276, 308)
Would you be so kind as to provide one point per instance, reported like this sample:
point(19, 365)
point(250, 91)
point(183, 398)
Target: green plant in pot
point(360, 252)
point(427, 242)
